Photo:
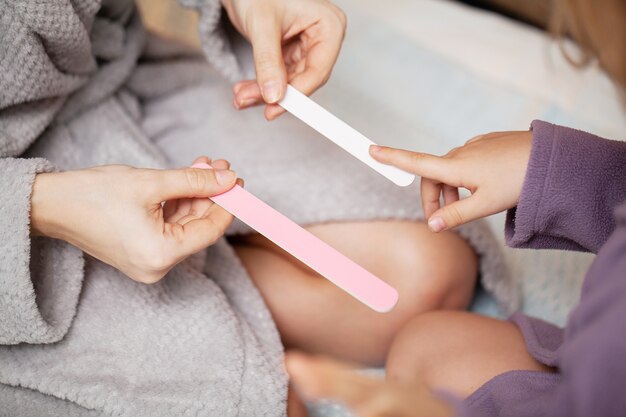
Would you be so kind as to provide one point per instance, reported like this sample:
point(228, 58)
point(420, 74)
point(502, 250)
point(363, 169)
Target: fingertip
point(244, 103)
point(202, 160)
point(201, 165)
point(225, 177)
point(378, 153)
point(436, 223)
point(221, 164)
point(272, 91)
point(247, 95)
point(237, 86)
point(377, 150)
point(273, 111)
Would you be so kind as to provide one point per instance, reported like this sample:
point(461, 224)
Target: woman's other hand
point(295, 41)
point(318, 378)
point(116, 213)
point(492, 167)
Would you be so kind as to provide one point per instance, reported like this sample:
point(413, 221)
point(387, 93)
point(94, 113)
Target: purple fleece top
point(573, 198)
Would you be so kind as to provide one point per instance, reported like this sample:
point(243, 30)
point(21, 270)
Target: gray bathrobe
point(82, 84)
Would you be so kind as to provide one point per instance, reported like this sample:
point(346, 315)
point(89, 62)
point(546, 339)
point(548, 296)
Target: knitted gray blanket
point(81, 85)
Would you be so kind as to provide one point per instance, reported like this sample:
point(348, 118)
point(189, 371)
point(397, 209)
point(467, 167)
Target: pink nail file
point(310, 250)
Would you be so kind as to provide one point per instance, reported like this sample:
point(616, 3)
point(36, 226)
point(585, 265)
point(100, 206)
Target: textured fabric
point(80, 338)
point(589, 353)
point(23, 318)
point(555, 210)
point(85, 339)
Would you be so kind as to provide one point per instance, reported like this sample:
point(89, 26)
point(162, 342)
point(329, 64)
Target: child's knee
point(431, 272)
point(440, 274)
point(420, 347)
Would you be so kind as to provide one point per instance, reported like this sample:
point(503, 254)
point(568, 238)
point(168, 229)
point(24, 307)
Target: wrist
point(47, 205)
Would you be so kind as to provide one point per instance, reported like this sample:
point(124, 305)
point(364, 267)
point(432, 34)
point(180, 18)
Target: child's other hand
point(115, 213)
point(295, 41)
point(318, 378)
point(492, 167)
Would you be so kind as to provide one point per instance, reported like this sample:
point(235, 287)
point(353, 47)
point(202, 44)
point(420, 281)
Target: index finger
point(422, 164)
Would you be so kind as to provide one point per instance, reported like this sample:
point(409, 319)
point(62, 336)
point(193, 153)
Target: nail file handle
point(310, 250)
point(340, 133)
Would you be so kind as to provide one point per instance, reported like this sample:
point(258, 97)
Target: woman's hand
point(295, 41)
point(492, 167)
point(320, 378)
point(115, 213)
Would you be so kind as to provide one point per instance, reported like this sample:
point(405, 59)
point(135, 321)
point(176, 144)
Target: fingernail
point(436, 224)
point(271, 91)
point(202, 165)
point(225, 176)
point(375, 148)
point(245, 102)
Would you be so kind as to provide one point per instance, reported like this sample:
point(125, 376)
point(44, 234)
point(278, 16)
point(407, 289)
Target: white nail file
point(340, 133)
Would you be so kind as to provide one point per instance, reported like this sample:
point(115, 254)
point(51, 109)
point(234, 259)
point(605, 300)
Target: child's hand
point(320, 378)
point(294, 41)
point(492, 167)
point(115, 214)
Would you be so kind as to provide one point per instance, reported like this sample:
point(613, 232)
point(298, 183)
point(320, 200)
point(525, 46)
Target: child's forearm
point(573, 183)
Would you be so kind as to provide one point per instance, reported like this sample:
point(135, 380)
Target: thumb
point(265, 36)
point(192, 182)
point(458, 213)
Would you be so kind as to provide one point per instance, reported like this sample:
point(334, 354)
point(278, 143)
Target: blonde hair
point(599, 29)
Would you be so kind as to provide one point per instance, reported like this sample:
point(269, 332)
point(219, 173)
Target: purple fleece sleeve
point(573, 183)
point(593, 358)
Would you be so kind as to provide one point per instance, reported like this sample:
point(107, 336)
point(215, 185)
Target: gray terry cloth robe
point(81, 85)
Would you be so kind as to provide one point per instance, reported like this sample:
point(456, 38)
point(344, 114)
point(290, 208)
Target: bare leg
point(431, 271)
point(295, 406)
point(457, 351)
